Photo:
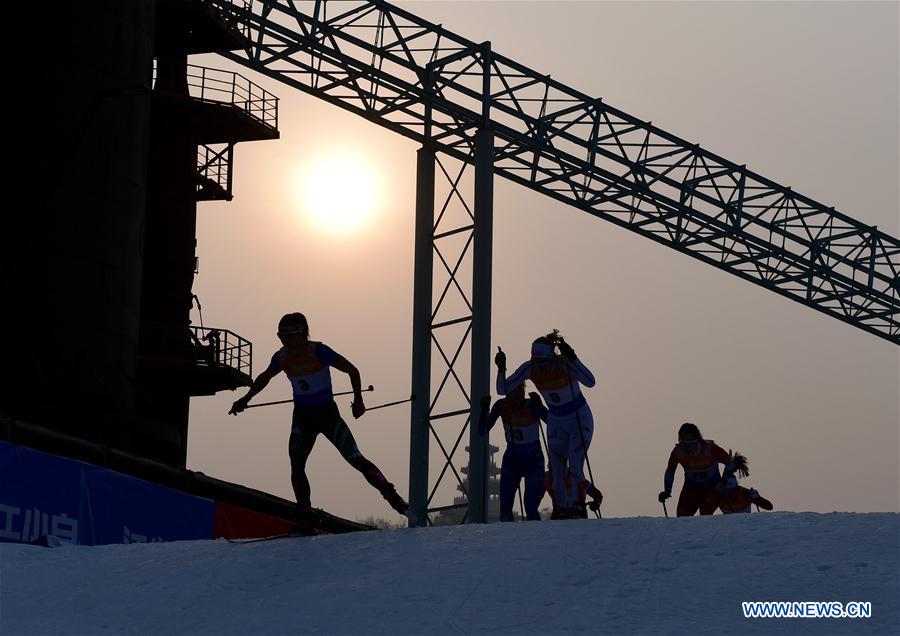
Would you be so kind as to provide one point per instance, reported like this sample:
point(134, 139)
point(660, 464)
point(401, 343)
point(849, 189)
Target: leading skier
point(306, 364)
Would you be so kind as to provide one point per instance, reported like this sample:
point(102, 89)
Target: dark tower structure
point(124, 136)
point(70, 246)
point(198, 114)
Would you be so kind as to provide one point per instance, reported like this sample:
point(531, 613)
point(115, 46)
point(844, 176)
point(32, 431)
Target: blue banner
point(43, 494)
point(40, 494)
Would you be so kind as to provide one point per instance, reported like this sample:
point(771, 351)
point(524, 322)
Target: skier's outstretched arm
point(581, 373)
point(576, 366)
point(759, 500)
point(487, 420)
point(261, 381)
point(669, 476)
point(342, 364)
point(537, 408)
point(723, 457)
point(506, 385)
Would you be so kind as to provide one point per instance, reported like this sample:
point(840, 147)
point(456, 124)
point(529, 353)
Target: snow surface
point(610, 576)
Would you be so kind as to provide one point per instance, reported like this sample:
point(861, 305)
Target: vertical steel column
point(481, 320)
point(482, 246)
point(421, 349)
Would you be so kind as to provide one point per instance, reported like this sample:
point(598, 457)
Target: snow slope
point(612, 576)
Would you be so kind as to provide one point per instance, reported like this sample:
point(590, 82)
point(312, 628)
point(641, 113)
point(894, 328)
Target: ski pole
point(253, 406)
point(664, 508)
point(512, 442)
point(381, 406)
point(584, 445)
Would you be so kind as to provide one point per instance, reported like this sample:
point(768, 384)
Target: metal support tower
point(477, 229)
point(459, 240)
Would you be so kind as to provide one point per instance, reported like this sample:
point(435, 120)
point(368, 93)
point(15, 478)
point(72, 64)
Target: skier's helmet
point(542, 347)
point(519, 391)
point(293, 323)
point(689, 431)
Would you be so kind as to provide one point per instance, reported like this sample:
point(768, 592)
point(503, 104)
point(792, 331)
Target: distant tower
point(455, 514)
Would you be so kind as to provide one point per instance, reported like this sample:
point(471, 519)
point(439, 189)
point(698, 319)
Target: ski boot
point(396, 501)
point(399, 504)
point(305, 525)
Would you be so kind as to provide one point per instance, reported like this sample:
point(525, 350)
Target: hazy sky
point(803, 93)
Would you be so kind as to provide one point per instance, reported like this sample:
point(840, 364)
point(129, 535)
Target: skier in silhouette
point(700, 459)
point(737, 499)
point(307, 364)
point(523, 458)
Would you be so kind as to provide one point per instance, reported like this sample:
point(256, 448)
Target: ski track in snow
point(610, 576)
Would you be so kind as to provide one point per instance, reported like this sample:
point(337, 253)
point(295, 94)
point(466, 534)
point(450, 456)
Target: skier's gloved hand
point(566, 350)
point(665, 494)
point(754, 493)
point(357, 408)
point(485, 403)
point(500, 359)
point(239, 405)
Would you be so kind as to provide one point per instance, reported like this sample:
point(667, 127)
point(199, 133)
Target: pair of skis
point(283, 535)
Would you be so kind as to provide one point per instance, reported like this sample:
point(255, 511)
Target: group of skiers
point(558, 374)
point(704, 488)
point(570, 428)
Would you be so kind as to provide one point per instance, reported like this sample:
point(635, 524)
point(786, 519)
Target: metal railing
point(205, 346)
point(216, 86)
point(224, 348)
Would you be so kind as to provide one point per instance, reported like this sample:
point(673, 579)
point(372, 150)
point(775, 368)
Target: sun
point(339, 194)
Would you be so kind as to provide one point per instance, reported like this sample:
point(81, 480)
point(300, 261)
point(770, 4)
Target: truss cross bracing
point(427, 83)
point(453, 250)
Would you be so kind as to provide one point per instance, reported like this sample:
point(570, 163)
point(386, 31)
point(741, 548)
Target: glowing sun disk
point(339, 194)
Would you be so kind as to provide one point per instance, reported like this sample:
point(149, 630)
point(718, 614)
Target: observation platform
point(220, 106)
point(199, 360)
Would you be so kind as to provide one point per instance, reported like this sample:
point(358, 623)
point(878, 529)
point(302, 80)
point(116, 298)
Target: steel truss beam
point(424, 82)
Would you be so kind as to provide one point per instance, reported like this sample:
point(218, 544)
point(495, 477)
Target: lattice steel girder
point(420, 80)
